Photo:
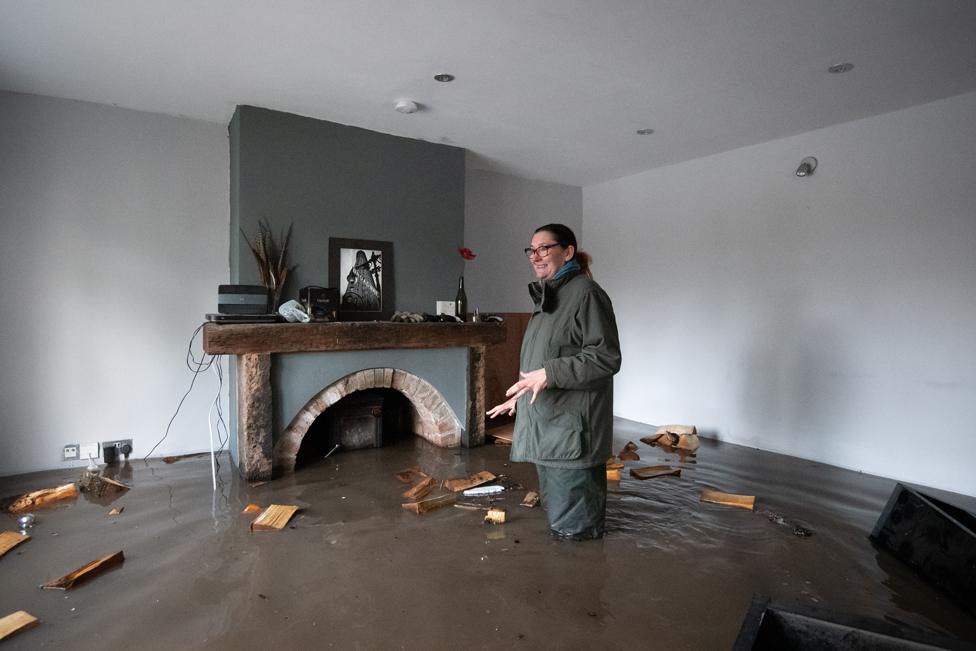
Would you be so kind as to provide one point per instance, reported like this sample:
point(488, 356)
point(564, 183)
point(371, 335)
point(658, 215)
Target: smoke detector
point(406, 106)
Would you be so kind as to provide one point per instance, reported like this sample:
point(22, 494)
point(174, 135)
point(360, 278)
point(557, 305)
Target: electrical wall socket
point(70, 452)
point(120, 443)
point(88, 451)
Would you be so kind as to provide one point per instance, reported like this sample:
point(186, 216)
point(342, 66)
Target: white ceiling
point(545, 89)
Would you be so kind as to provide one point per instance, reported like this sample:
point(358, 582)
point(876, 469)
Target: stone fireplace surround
point(262, 455)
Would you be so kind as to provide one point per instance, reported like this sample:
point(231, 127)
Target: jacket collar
point(543, 292)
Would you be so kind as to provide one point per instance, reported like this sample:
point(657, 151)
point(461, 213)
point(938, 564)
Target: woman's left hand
point(534, 381)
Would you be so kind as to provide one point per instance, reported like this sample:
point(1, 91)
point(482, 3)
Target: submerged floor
point(355, 571)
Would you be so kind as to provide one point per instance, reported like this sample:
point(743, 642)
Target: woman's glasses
point(542, 250)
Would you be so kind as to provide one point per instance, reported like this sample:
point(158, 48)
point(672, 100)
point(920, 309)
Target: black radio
point(321, 303)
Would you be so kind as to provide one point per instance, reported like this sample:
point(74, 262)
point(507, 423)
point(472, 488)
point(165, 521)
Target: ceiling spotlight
point(807, 166)
point(444, 77)
point(645, 132)
point(406, 106)
point(838, 68)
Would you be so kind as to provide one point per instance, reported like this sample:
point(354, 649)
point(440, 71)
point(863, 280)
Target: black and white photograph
point(362, 272)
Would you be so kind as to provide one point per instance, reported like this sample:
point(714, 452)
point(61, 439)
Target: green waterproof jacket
point(573, 335)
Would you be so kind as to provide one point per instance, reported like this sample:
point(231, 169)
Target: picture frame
point(362, 272)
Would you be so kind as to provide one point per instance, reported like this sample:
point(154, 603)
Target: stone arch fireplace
point(434, 419)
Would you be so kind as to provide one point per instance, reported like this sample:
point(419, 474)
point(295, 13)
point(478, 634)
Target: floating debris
point(747, 502)
point(683, 437)
point(10, 539)
point(799, 531)
point(43, 498)
point(613, 464)
point(629, 452)
point(483, 490)
point(117, 510)
point(17, 622)
point(613, 474)
point(86, 572)
point(531, 499)
point(495, 515)
point(425, 506)
point(650, 472)
point(251, 508)
point(458, 485)
point(420, 490)
point(274, 518)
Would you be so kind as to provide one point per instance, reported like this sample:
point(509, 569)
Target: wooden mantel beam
point(263, 338)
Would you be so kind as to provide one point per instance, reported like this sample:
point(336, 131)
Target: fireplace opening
point(370, 418)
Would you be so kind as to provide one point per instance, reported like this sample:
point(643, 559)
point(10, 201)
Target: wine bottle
point(461, 301)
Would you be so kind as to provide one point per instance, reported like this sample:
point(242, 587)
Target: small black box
point(321, 303)
point(242, 299)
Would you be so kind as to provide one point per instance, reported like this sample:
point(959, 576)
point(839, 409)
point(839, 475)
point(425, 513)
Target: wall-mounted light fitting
point(807, 166)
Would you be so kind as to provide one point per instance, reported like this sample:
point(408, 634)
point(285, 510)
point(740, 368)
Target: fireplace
point(262, 452)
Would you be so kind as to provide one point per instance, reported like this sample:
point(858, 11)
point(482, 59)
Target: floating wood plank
point(251, 508)
point(664, 439)
point(43, 498)
point(495, 515)
point(503, 435)
point(9, 540)
point(274, 518)
point(85, 572)
point(425, 506)
point(729, 499)
point(650, 472)
point(613, 464)
point(421, 490)
point(117, 510)
point(457, 485)
point(531, 499)
point(17, 622)
point(629, 452)
point(613, 474)
point(688, 442)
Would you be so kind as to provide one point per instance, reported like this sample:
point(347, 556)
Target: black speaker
point(321, 303)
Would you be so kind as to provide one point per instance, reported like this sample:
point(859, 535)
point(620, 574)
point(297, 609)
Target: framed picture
point(362, 271)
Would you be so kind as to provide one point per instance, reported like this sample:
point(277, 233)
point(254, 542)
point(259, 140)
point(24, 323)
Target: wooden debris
point(688, 442)
point(407, 476)
point(421, 490)
point(93, 482)
point(257, 483)
point(495, 515)
point(531, 499)
point(471, 506)
point(629, 452)
point(502, 435)
point(747, 502)
point(677, 430)
point(16, 622)
point(650, 472)
point(274, 518)
point(117, 510)
point(85, 572)
point(613, 474)
point(458, 485)
point(251, 508)
point(613, 464)
point(425, 506)
point(9, 540)
point(43, 498)
point(664, 439)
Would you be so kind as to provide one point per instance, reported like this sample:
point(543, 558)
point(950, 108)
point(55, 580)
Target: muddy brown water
point(355, 571)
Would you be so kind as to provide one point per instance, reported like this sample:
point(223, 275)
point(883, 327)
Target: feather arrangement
point(271, 257)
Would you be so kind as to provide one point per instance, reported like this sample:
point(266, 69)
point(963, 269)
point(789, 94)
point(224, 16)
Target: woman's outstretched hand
point(507, 408)
point(534, 381)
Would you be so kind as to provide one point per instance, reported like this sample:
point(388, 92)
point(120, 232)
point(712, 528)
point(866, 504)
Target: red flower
point(467, 253)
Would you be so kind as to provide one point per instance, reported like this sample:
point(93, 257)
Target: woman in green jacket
point(563, 403)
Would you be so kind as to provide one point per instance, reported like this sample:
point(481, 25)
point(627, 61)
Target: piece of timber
point(425, 506)
point(42, 498)
point(17, 622)
point(613, 474)
point(629, 452)
point(274, 518)
point(242, 338)
point(747, 502)
point(495, 515)
point(650, 472)
point(421, 490)
point(85, 572)
point(677, 429)
point(477, 479)
point(531, 499)
point(10, 539)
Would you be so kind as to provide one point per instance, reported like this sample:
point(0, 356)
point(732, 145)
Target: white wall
point(115, 237)
point(500, 214)
point(831, 318)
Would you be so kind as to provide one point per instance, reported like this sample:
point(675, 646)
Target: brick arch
point(434, 419)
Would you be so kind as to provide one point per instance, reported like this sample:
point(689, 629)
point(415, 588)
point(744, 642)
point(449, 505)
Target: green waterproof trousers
point(575, 500)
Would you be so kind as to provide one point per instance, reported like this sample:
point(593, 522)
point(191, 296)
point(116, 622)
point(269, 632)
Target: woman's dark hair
point(565, 236)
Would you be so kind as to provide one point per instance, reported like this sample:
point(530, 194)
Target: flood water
point(355, 571)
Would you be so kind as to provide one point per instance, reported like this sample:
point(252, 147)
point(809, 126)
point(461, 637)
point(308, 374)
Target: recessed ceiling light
point(840, 67)
point(645, 132)
point(445, 77)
